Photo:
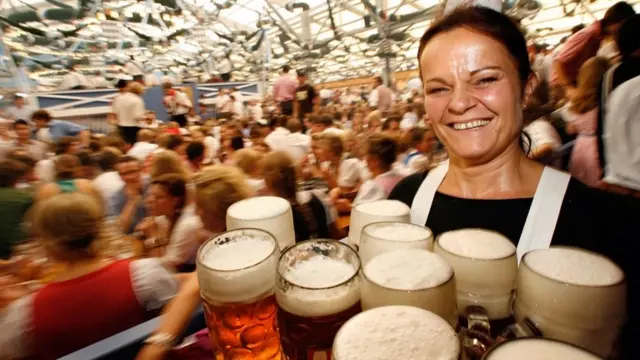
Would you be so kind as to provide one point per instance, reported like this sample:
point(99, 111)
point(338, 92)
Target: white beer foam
point(319, 275)
point(396, 332)
point(384, 208)
point(398, 231)
point(411, 269)
point(258, 208)
point(255, 277)
point(477, 244)
point(574, 266)
point(536, 349)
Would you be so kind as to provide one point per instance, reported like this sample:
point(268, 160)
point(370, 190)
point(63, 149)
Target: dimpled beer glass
point(413, 277)
point(572, 295)
point(375, 211)
point(318, 290)
point(486, 270)
point(387, 236)
point(237, 276)
point(536, 349)
point(396, 333)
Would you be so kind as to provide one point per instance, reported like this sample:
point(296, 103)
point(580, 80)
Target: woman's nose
point(461, 100)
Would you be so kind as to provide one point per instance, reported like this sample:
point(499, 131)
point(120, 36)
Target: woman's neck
point(510, 175)
point(75, 269)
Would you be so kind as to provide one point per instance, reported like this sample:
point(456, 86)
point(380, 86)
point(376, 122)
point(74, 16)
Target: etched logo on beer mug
point(318, 289)
point(236, 272)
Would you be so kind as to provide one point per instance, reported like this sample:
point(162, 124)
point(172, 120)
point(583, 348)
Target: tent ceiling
point(190, 35)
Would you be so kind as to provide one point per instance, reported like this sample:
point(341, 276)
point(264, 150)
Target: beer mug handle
point(520, 329)
point(476, 337)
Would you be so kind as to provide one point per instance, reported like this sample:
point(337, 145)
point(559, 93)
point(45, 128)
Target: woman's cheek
point(435, 108)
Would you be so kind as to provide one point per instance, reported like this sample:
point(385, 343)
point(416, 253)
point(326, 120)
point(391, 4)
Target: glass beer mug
point(572, 295)
point(486, 268)
point(536, 349)
point(318, 290)
point(413, 277)
point(375, 211)
point(396, 332)
point(386, 236)
point(237, 276)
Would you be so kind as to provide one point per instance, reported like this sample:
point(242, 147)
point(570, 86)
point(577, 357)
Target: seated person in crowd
point(311, 219)
point(248, 161)
point(14, 205)
point(45, 169)
point(52, 130)
point(91, 297)
point(67, 181)
point(144, 146)
point(422, 142)
point(109, 181)
point(173, 225)
point(126, 206)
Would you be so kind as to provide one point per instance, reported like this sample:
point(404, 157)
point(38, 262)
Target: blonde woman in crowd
point(311, 219)
point(168, 162)
point(248, 161)
point(63, 316)
point(217, 188)
point(66, 170)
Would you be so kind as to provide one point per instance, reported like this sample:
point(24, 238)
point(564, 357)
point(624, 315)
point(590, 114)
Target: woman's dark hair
point(174, 141)
point(237, 143)
point(175, 185)
point(616, 14)
point(627, 37)
point(384, 148)
point(10, 172)
point(279, 173)
point(487, 22)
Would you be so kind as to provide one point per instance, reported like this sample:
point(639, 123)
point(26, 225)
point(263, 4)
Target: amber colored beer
point(303, 337)
point(318, 290)
point(244, 331)
point(237, 278)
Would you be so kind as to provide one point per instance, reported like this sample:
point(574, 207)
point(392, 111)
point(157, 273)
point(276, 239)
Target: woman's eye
point(436, 91)
point(487, 80)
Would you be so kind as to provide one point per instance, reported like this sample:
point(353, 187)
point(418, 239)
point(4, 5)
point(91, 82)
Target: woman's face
point(159, 202)
point(472, 94)
point(323, 153)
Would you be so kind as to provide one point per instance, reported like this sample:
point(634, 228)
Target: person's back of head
point(416, 136)
point(195, 151)
point(384, 148)
point(174, 142)
point(65, 144)
point(167, 162)
point(66, 167)
point(237, 142)
point(628, 38)
point(615, 16)
point(10, 172)
point(108, 159)
point(286, 69)
point(113, 141)
point(68, 224)
point(247, 160)
point(293, 125)
point(145, 135)
point(135, 87)
point(279, 172)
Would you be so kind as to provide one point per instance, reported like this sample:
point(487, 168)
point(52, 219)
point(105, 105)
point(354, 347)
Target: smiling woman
point(477, 78)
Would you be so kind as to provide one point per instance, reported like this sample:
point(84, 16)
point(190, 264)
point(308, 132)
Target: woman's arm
point(176, 317)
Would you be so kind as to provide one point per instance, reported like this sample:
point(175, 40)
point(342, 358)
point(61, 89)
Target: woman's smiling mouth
point(470, 125)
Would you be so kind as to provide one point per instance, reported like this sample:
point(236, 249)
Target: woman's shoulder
point(406, 189)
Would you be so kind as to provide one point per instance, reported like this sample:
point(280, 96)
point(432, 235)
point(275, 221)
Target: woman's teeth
point(471, 125)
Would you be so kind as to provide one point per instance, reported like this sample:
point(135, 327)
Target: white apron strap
point(421, 205)
point(543, 215)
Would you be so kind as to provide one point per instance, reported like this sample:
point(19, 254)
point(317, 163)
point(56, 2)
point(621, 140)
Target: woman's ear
point(529, 88)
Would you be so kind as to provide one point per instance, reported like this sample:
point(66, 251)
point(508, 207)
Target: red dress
point(72, 314)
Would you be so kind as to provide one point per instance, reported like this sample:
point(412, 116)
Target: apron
point(542, 218)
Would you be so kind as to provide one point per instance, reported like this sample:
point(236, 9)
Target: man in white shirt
point(143, 147)
point(178, 104)
point(74, 81)
point(296, 144)
point(130, 111)
point(134, 69)
point(19, 110)
point(109, 182)
point(381, 97)
point(225, 68)
point(277, 138)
